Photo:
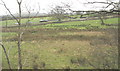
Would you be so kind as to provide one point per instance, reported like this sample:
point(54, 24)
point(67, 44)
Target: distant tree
point(58, 12)
point(102, 17)
point(110, 4)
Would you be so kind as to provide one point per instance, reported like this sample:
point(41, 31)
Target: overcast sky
point(45, 5)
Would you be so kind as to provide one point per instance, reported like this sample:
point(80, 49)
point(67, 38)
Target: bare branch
point(67, 6)
point(37, 11)
point(9, 50)
point(19, 2)
point(8, 61)
point(28, 10)
point(25, 60)
point(108, 3)
point(9, 11)
point(97, 2)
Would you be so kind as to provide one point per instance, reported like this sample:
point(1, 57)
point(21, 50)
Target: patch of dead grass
point(86, 33)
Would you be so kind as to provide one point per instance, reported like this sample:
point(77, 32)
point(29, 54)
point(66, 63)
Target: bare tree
point(108, 4)
point(19, 2)
point(58, 12)
point(114, 9)
point(20, 33)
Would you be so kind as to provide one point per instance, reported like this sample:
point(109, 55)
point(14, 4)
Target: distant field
point(36, 21)
point(12, 22)
point(75, 45)
point(89, 24)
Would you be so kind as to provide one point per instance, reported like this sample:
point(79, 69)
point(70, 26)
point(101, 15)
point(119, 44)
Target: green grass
point(8, 34)
point(112, 21)
point(12, 22)
point(48, 54)
point(56, 47)
point(89, 24)
point(36, 21)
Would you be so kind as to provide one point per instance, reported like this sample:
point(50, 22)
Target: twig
point(9, 51)
point(25, 61)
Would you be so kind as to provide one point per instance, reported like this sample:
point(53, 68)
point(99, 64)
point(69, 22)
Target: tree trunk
point(19, 40)
point(100, 15)
point(102, 21)
point(19, 32)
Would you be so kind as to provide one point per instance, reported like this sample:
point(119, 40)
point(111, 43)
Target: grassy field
point(36, 21)
point(75, 45)
point(84, 24)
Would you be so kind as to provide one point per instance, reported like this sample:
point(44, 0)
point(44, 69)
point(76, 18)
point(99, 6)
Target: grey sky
point(46, 4)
